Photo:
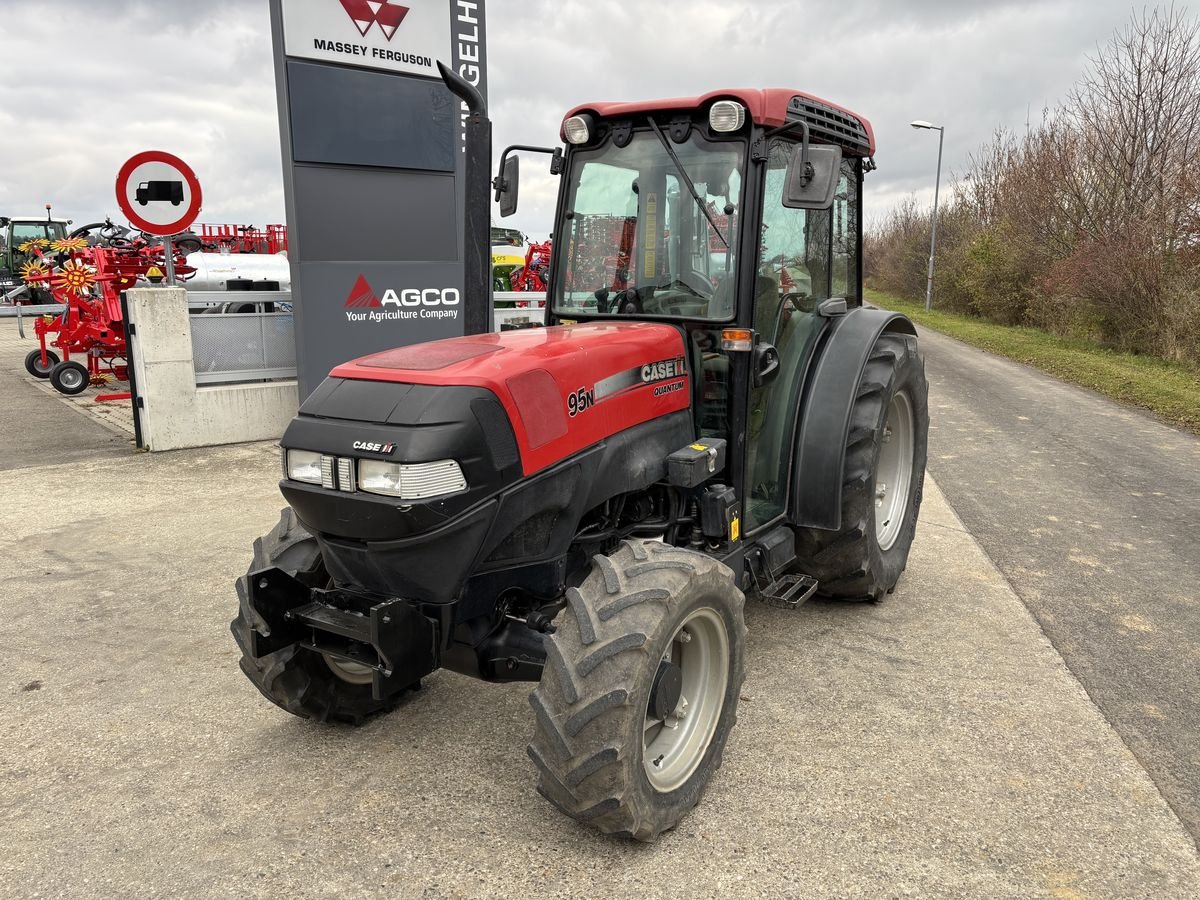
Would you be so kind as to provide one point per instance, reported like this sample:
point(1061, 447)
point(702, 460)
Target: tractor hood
point(564, 388)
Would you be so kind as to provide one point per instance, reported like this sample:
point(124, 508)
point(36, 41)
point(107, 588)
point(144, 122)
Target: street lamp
point(921, 123)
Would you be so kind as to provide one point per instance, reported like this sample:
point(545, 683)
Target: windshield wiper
point(662, 139)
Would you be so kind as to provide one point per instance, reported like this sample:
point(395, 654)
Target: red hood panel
point(565, 387)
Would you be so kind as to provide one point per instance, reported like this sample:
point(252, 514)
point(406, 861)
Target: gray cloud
point(99, 81)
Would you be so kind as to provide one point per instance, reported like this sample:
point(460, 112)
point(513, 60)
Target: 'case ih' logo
point(366, 13)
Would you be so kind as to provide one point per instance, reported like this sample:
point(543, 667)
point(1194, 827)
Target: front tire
point(640, 689)
point(295, 678)
point(33, 363)
point(884, 469)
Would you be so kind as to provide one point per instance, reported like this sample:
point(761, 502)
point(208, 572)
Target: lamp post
point(920, 123)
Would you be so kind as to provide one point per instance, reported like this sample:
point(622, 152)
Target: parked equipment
point(534, 272)
point(88, 280)
point(712, 414)
point(20, 237)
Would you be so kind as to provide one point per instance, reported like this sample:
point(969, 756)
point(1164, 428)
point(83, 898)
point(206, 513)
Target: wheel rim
point(355, 673)
point(893, 473)
point(70, 378)
point(674, 746)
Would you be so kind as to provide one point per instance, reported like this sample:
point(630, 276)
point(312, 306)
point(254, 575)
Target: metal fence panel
point(242, 336)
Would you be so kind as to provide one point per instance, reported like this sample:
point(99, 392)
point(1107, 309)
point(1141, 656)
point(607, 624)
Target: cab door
point(805, 257)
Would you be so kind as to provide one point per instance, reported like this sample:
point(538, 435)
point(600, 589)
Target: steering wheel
point(694, 283)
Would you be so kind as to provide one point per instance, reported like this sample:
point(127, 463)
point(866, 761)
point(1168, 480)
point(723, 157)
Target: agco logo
point(407, 303)
point(365, 13)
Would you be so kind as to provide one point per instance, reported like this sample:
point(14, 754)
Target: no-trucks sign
point(158, 192)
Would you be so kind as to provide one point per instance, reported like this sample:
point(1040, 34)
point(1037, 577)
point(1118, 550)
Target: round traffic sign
point(158, 192)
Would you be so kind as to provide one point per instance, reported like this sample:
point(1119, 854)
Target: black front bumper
point(392, 637)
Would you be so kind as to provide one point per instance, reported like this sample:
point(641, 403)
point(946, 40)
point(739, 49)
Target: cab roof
point(769, 107)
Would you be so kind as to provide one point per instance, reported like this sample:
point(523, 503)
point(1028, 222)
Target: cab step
point(789, 591)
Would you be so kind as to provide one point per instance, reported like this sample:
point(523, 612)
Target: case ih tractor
point(586, 505)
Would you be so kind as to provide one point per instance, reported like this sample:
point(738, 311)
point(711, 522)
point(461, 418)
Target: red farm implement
point(533, 274)
point(243, 238)
point(88, 282)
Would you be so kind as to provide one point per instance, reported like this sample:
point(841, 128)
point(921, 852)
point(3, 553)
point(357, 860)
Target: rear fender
point(825, 419)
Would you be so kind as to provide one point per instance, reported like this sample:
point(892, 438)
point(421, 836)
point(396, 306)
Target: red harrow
point(88, 281)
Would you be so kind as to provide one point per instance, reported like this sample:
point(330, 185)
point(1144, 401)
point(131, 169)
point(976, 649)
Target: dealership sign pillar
point(373, 171)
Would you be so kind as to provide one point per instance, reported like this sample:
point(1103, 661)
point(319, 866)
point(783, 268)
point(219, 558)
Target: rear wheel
point(640, 689)
point(299, 680)
point(882, 479)
point(34, 366)
point(70, 377)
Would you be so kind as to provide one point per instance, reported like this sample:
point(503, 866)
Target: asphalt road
point(1092, 512)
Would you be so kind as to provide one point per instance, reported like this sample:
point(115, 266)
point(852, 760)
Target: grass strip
point(1167, 388)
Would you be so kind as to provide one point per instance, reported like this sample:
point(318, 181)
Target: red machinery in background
point(534, 274)
point(88, 281)
point(242, 238)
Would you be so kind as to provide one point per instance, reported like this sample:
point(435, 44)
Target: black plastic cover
point(696, 463)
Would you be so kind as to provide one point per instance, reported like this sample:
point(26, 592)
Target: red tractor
point(587, 505)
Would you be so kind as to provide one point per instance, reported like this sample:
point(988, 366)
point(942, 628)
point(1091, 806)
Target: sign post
point(159, 194)
point(373, 171)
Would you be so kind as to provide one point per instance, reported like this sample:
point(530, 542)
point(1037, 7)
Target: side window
point(844, 276)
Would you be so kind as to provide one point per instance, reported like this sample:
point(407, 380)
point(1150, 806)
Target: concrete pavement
point(934, 745)
point(1091, 510)
point(36, 424)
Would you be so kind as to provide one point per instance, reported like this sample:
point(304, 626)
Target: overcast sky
point(90, 82)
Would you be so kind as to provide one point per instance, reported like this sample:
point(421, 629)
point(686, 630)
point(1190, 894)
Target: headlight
point(410, 481)
point(726, 115)
point(576, 130)
point(304, 465)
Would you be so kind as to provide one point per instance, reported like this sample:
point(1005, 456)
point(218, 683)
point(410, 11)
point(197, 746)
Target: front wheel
point(640, 689)
point(34, 365)
point(882, 478)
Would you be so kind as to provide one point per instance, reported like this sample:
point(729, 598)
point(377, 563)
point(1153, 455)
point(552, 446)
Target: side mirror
point(507, 185)
point(812, 177)
point(766, 364)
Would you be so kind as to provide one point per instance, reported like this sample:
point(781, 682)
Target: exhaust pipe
point(477, 246)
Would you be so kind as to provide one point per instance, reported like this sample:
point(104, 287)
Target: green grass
point(1168, 389)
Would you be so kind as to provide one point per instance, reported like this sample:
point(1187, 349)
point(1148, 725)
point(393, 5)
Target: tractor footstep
point(789, 591)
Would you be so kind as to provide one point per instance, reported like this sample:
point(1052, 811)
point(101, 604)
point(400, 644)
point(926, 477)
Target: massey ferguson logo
point(365, 13)
point(364, 305)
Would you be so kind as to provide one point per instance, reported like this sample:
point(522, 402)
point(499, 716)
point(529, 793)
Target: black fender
point(825, 417)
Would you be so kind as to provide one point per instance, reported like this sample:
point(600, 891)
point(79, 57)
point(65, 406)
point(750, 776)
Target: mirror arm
point(556, 163)
point(789, 127)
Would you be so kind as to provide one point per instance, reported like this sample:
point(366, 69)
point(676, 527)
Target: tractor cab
point(19, 235)
point(736, 215)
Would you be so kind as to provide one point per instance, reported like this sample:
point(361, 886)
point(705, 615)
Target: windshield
point(32, 231)
point(638, 242)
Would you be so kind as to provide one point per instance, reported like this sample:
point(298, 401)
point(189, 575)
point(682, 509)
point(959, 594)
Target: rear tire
point(33, 363)
point(604, 755)
point(853, 563)
point(295, 678)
